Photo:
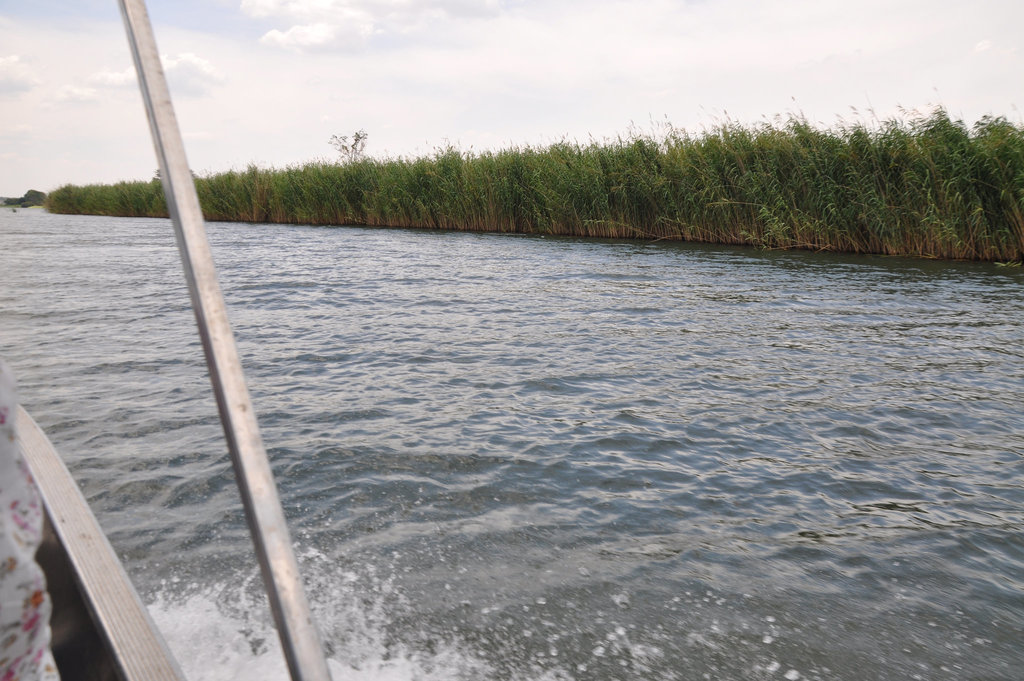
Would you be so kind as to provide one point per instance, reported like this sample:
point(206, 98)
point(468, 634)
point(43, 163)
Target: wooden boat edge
point(134, 647)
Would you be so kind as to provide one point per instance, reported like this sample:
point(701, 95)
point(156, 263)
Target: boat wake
point(224, 632)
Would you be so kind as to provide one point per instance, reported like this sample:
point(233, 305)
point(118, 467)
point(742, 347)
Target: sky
point(269, 82)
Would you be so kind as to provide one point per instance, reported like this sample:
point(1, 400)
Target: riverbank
point(931, 187)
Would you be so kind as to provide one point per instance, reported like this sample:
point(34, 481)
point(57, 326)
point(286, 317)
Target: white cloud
point(15, 76)
point(190, 75)
point(263, 8)
point(998, 50)
point(381, 10)
point(113, 79)
point(76, 93)
point(299, 37)
point(348, 24)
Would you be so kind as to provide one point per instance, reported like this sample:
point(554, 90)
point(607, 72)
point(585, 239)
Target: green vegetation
point(930, 187)
point(31, 198)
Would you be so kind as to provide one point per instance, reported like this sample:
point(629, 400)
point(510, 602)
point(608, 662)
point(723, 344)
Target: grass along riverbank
point(931, 187)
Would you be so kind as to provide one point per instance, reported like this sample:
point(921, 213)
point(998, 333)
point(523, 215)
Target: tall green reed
point(928, 187)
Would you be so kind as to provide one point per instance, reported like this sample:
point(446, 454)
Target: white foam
point(217, 643)
point(223, 632)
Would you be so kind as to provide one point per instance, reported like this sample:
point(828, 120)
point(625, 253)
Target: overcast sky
point(270, 81)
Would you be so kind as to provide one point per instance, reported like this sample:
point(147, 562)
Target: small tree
point(350, 151)
point(33, 197)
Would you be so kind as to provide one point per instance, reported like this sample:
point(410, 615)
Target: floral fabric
point(24, 603)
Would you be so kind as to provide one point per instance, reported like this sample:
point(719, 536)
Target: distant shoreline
point(928, 188)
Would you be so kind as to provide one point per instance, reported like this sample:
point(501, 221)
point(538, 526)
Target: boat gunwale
point(133, 642)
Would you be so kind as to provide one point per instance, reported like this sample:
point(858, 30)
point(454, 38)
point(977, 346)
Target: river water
point(532, 459)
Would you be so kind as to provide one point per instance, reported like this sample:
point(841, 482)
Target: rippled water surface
point(531, 458)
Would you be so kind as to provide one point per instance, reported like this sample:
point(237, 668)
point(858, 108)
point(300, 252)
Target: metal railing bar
point(298, 634)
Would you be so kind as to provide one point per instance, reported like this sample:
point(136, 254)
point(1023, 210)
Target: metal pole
point(298, 634)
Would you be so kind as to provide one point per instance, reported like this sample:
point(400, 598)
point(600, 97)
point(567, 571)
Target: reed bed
point(930, 187)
